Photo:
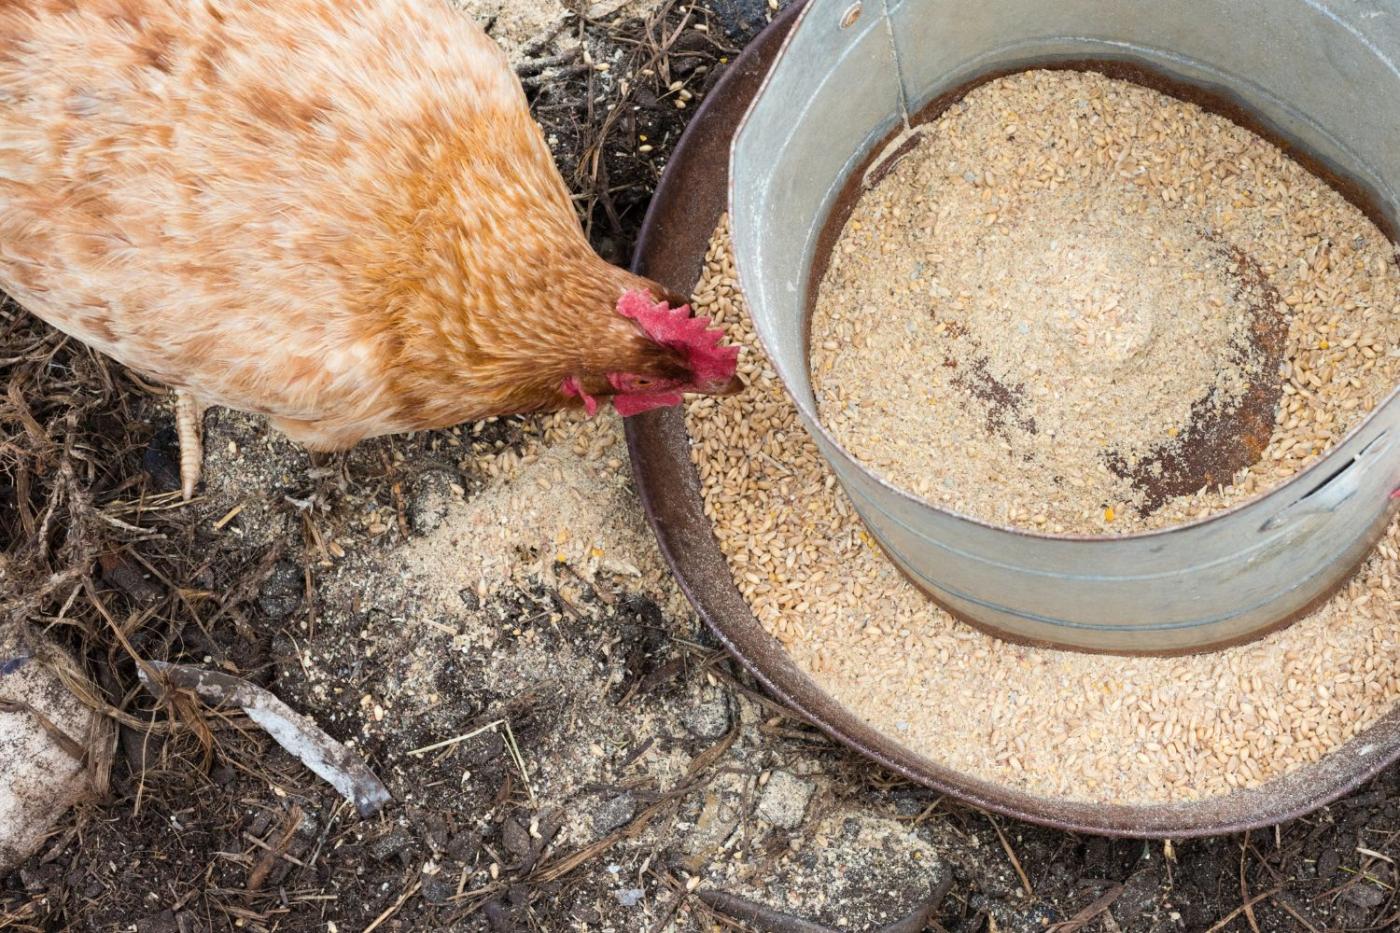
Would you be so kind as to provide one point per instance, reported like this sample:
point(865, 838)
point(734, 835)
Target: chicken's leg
point(189, 414)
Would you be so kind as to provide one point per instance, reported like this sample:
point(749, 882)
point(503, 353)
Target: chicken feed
point(1106, 301)
point(1059, 724)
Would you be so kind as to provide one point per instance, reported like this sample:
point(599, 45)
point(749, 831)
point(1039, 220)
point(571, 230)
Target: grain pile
point(1073, 280)
point(560, 509)
point(1060, 724)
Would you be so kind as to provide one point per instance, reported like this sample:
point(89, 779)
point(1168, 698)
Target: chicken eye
point(643, 383)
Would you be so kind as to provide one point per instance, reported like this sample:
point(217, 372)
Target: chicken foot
point(189, 415)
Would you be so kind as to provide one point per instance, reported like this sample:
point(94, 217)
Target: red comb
point(674, 327)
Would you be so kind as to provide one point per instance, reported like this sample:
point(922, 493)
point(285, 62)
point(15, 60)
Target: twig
point(773, 921)
point(393, 908)
point(768, 919)
point(326, 832)
point(248, 583)
point(923, 915)
point(712, 754)
point(533, 66)
point(259, 844)
point(1248, 905)
point(1081, 919)
point(519, 760)
point(1281, 900)
point(144, 534)
point(1372, 853)
point(1226, 920)
point(334, 763)
point(455, 739)
point(62, 739)
point(571, 71)
point(682, 892)
point(540, 42)
point(259, 874)
point(1015, 862)
point(229, 516)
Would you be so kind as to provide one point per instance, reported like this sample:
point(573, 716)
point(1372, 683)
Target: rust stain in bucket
point(1003, 402)
point(1222, 437)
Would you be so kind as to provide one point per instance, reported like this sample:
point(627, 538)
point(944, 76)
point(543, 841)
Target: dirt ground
point(493, 591)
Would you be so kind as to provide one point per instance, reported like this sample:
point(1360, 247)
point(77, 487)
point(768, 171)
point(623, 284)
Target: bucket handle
point(1327, 496)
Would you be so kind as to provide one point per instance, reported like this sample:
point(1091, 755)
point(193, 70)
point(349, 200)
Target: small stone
point(515, 837)
point(1365, 895)
point(484, 748)
point(463, 846)
point(431, 499)
point(784, 800)
point(163, 922)
point(709, 720)
point(281, 592)
point(41, 877)
point(395, 842)
point(615, 813)
point(435, 832)
point(629, 897)
point(438, 886)
point(39, 778)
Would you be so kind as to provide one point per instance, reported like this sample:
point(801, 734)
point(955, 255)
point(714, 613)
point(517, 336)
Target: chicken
point(336, 213)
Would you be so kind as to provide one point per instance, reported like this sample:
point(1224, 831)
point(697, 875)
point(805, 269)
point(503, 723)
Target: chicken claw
point(189, 414)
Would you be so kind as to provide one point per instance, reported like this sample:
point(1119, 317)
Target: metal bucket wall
point(1322, 76)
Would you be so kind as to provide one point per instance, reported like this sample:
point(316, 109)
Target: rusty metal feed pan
point(1321, 75)
point(687, 206)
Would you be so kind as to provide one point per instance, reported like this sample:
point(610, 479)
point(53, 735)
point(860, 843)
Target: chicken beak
point(674, 299)
point(734, 386)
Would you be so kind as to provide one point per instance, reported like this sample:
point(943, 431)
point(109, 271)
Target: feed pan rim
point(688, 204)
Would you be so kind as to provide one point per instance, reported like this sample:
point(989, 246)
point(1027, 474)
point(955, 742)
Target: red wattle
point(574, 389)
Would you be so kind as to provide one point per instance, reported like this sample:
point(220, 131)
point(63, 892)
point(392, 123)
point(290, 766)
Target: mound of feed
point(1081, 306)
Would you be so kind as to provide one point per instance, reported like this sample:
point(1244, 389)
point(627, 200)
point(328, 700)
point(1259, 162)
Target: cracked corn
point(1060, 283)
point(1058, 724)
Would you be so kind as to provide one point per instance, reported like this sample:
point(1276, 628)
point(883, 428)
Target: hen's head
point(674, 354)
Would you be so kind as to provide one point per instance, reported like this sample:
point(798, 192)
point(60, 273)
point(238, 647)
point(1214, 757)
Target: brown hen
point(336, 213)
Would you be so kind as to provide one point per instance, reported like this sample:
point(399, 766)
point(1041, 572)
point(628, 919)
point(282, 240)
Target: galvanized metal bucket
point(1320, 76)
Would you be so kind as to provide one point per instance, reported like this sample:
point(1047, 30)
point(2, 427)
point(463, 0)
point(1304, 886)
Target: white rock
point(39, 780)
point(784, 800)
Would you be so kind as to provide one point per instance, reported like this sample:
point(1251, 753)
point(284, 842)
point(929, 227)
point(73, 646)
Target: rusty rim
point(687, 205)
